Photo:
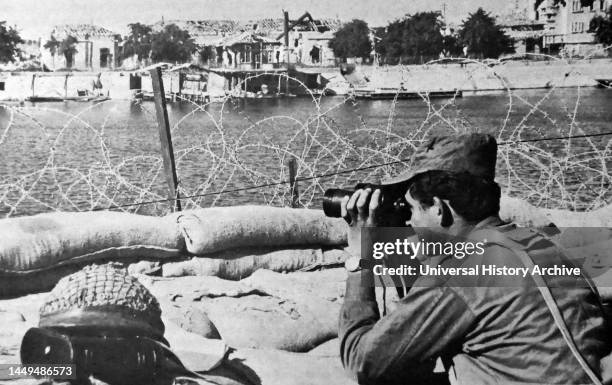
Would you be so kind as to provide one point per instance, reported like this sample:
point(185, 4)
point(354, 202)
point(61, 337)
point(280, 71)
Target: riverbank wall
point(120, 85)
point(482, 77)
point(17, 86)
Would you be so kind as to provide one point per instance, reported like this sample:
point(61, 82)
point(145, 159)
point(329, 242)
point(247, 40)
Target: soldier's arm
point(429, 322)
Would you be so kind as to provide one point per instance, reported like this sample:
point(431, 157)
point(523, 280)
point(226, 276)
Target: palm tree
point(52, 45)
point(68, 49)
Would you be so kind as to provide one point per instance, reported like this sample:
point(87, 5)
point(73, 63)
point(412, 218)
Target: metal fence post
point(165, 137)
point(295, 196)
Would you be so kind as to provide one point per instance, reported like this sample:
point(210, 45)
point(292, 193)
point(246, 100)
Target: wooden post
point(286, 28)
point(165, 137)
point(33, 82)
point(66, 86)
point(181, 83)
point(295, 197)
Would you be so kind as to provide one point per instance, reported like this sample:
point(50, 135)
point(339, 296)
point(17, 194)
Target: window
point(1, 86)
point(576, 6)
point(577, 27)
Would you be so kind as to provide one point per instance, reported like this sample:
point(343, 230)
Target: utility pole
point(286, 28)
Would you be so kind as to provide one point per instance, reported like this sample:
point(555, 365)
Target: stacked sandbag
point(294, 312)
point(223, 228)
point(521, 212)
point(51, 239)
point(36, 251)
point(229, 242)
point(240, 263)
point(586, 236)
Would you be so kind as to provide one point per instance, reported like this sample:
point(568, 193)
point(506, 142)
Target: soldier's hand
point(360, 210)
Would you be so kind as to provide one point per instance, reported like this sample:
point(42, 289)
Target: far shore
point(467, 77)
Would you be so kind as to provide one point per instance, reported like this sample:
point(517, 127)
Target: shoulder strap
point(563, 252)
point(504, 241)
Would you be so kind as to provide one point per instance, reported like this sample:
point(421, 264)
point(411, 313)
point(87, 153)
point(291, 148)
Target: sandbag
point(223, 228)
point(52, 239)
point(597, 265)
point(586, 236)
point(521, 212)
point(241, 263)
point(293, 312)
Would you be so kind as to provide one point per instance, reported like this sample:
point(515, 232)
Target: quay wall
point(18, 85)
point(480, 77)
point(433, 77)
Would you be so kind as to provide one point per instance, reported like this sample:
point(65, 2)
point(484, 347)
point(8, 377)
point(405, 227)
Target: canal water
point(80, 156)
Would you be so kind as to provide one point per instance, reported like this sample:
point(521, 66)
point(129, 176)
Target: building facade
point(247, 51)
point(567, 26)
point(97, 49)
point(309, 41)
point(260, 43)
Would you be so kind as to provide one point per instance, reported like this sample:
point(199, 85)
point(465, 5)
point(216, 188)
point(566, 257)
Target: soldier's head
point(440, 199)
point(451, 182)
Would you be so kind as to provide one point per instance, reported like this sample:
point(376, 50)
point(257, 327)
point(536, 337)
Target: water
point(77, 156)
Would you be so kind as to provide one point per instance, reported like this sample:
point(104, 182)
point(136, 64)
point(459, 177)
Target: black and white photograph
point(287, 192)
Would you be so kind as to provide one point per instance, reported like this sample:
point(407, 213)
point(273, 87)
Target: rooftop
point(81, 31)
point(266, 27)
point(247, 37)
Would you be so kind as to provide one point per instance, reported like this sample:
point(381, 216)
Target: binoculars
point(393, 209)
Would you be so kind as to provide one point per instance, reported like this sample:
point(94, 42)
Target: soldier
point(488, 329)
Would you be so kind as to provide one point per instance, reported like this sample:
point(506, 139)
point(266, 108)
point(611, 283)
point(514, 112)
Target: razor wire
point(353, 170)
point(323, 147)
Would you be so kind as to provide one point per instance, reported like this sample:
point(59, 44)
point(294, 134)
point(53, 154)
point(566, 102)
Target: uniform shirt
point(496, 330)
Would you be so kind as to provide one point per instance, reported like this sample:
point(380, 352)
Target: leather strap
point(502, 240)
point(557, 316)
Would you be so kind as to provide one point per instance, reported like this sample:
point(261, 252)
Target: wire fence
point(555, 150)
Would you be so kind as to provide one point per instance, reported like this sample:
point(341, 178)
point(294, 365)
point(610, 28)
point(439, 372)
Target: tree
point(172, 44)
point(68, 49)
point(451, 46)
point(415, 36)
point(483, 37)
point(53, 46)
point(9, 41)
point(421, 34)
point(138, 42)
point(390, 45)
point(601, 26)
point(352, 40)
